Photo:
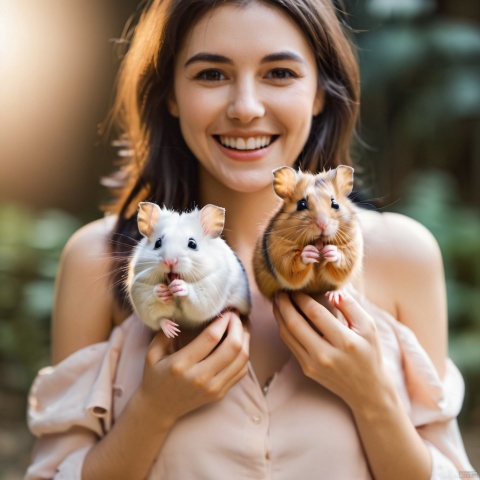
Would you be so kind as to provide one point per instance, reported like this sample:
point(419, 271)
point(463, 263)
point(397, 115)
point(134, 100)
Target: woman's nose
point(245, 104)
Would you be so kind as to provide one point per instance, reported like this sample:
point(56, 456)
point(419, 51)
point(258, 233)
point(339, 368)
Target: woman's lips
point(240, 148)
point(245, 143)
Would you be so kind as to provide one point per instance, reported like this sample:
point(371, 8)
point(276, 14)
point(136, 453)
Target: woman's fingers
point(230, 349)
point(342, 356)
point(159, 348)
point(358, 319)
point(194, 353)
point(205, 342)
point(226, 364)
point(282, 307)
point(231, 367)
point(330, 328)
point(199, 373)
point(297, 333)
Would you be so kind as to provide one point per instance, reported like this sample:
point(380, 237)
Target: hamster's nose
point(323, 221)
point(170, 262)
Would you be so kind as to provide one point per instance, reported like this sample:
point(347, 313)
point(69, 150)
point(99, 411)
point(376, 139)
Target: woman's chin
point(249, 183)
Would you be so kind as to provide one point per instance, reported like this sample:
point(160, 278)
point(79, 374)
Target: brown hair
point(160, 167)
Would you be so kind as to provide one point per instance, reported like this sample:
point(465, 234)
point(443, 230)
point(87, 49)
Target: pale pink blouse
point(294, 430)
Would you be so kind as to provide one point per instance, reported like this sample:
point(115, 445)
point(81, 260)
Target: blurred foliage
point(420, 128)
point(420, 72)
point(30, 247)
point(433, 198)
point(420, 131)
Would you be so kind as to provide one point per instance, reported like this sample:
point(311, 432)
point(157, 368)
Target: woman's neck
point(246, 213)
point(245, 219)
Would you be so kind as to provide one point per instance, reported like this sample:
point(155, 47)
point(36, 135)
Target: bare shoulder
point(83, 305)
point(404, 275)
point(402, 240)
point(90, 239)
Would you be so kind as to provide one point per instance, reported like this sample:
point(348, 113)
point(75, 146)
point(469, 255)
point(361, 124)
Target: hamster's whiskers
point(146, 264)
point(342, 236)
point(122, 268)
point(143, 273)
point(132, 242)
point(292, 233)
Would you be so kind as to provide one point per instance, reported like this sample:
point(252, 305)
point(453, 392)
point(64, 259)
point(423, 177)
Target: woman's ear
point(319, 101)
point(172, 104)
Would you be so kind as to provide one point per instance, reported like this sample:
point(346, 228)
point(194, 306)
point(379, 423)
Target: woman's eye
point(192, 244)
point(211, 75)
point(281, 73)
point(158, 244)
point(302, 205)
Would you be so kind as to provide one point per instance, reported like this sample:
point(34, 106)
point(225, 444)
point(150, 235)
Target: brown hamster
point(313, 242)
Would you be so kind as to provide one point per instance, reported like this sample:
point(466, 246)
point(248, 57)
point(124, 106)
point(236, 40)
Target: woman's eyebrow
point(283, 55)
point(216, 58)
point(208, 57)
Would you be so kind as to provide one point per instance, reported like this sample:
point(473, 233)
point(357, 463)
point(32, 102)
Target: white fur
point(214, 277)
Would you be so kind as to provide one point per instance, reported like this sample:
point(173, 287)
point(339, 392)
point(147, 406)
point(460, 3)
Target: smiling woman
point(149, 55)
point(212, 97)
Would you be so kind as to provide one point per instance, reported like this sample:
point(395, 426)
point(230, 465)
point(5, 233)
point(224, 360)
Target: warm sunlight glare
point(53, 56)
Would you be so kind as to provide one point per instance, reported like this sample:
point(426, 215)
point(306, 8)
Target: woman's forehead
point(244, 30)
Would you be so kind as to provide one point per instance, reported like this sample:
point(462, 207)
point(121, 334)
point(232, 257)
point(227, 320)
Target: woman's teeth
point(251, 143)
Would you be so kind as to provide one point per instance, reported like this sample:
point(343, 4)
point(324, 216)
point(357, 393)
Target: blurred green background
point(419, 147)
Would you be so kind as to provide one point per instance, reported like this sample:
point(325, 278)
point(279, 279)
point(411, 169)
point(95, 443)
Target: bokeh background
point(419, 147)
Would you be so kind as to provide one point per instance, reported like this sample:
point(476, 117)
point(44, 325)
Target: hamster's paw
point(178, 288)
point(310, 254)
point(169, 328)
point(331, 253)
point(163, 293)
point(335, 296)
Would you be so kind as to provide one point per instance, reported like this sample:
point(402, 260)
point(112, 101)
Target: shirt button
point(256, 419)
point(117, 391)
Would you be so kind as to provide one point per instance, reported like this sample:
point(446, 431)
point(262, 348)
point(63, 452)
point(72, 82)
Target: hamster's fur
point(313, 243)
point(182, 274)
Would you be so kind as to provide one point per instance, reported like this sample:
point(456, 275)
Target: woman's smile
point(253, 142)
point(246, 148)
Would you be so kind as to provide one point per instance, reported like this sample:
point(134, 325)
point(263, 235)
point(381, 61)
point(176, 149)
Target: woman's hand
point(345, 359)
point(199, 373)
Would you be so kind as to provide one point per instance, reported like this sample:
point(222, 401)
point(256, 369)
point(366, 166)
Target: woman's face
point(245, 92)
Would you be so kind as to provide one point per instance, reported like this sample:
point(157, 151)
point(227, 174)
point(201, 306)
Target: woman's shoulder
point(92, 236)
point(398, 238)
point(88, 249)
point(83, 311)
point(400, 253)
point(403, 273)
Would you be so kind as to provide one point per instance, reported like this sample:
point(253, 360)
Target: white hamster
point(182, 273)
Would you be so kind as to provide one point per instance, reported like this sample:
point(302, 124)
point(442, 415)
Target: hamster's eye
point(158, 244)
point(192, 244)
point(302, 205)
point(335, 205)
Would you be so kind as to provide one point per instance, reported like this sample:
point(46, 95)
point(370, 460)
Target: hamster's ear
point(148, 216)
point(284, 181)
point(342, 177)
point(212, 219)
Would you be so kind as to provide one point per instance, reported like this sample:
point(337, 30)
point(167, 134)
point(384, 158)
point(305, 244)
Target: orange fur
point(278, 263)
